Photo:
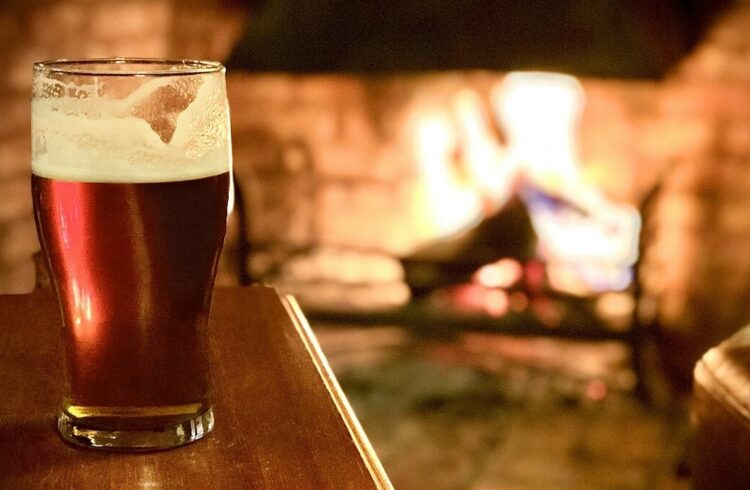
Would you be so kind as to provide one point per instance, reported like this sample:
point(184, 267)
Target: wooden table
point(721, 415)
point(281, 418)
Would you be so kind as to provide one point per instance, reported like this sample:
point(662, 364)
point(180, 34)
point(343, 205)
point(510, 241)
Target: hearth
point(549, 255)
point(449, 197)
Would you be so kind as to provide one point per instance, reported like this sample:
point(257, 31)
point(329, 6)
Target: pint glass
point(131, 167)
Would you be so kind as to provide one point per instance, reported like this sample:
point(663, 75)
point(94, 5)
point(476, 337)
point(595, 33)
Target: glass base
point(76, 431)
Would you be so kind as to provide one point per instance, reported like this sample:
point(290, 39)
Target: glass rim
point(151, 67)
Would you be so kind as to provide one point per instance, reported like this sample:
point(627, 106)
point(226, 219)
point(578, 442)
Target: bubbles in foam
point(119, 130)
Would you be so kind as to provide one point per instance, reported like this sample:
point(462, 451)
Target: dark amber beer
point(132, 247)
point(133, 265)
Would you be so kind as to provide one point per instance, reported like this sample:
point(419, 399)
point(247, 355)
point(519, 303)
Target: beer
point(133, 265)
point(131, 177)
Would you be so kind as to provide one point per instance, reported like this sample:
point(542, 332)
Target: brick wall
point(698, 268)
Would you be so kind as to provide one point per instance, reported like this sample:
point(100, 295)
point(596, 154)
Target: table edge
point(370, 458)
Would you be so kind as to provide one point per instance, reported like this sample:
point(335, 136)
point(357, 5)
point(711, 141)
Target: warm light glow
point(589, 242)
point(450, 202)
point(474, 298)
point(501, 274)
point(496, 303)
point(597, 390)
point(484, 157)
point(147, 477)
point(230, 199)
point(539, 112)
point(67, 206)
point(78, 303)
point(615, 305)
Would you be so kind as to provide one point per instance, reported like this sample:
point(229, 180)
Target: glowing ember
point(518, 301)
point(502, 274)
point(597, 390)
point(473, 298)
point(547, 311)
point(496, 303)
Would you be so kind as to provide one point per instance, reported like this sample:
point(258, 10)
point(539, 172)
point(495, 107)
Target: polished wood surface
point(721, 415)
point(281, 419)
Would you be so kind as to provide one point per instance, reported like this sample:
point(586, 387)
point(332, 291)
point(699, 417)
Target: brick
point(350, 161)
point(341, 90)
point(19, 68)
point(342, 209)
point(390, 163)
point(149, 46)
point(18, 279)
point(708, 62)
point(677, 137)
point(18, 241)
point(736, 138)
point(122, 20)
point(16, 118)
point(15, 194)
point(725, 99)
point(256, 150)
point(244, 89)
point(11, 28)
point(15, 156)
point(54, 21)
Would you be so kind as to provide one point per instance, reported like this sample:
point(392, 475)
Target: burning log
point(506, 234)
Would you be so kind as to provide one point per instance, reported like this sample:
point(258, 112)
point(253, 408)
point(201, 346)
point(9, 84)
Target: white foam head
point(122, 128)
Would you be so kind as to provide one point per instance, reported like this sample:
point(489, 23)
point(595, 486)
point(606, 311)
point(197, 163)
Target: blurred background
point(514, 226)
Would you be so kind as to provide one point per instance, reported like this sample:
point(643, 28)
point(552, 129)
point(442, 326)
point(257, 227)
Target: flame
point(589, 241)
point(450, 202)
point(539, 113)
point(485, 159)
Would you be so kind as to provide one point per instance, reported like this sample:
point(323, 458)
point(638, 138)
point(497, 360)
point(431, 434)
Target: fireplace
point(470, 227)
point(360, 187)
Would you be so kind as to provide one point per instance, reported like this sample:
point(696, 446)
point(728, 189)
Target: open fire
point(500, 209)
point(346, 176)
point(475, 160)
